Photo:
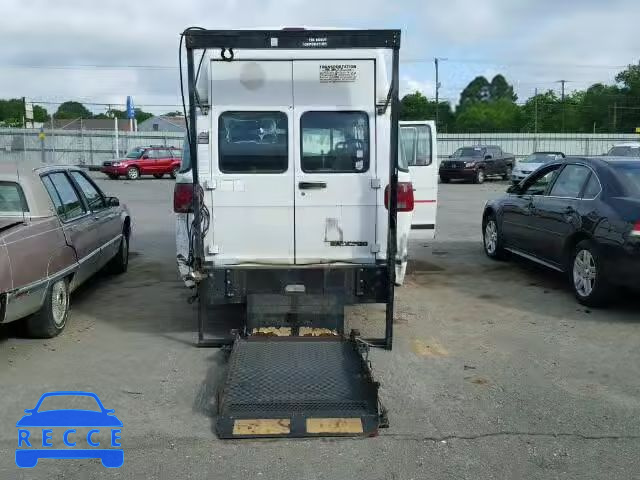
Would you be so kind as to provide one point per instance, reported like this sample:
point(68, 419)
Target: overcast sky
point(533, 42)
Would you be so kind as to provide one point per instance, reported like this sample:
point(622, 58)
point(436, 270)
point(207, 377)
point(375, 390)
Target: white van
point(293, 161)
point(417, 166)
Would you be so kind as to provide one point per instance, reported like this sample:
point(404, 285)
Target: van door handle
point(311, 185)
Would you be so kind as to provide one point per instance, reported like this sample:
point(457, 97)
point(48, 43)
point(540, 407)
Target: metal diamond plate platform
point(297, 379)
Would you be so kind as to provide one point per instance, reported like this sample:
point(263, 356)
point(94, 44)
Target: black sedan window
point(539, 183)
point(570, 181)
point(629, 174)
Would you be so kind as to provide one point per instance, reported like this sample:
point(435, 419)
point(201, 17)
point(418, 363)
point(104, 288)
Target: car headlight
point(470, 164)
point(116, 164)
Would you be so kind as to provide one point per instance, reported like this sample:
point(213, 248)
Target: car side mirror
point(515, 189)
point(113, 202)
point(145, 156)
point(488, 157)
point(450, 156)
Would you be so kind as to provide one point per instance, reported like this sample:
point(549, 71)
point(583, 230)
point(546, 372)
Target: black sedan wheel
point(589, 285)
point(491, 238)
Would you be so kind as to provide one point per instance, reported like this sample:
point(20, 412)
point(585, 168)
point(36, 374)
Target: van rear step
point(298, 387)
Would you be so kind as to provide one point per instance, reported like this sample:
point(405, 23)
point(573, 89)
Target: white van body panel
point(423, 170)
point(274, 218)
point(418, 151)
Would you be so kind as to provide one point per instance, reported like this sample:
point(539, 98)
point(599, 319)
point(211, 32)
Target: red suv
point(153, 160)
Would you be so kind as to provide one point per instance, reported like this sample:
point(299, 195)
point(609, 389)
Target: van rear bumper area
point(351, 283)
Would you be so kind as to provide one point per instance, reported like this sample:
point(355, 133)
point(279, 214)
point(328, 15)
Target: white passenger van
point(293, 161)
point(417, 165)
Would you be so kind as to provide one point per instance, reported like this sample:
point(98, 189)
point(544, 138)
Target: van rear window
point(253, 142)
point(335, 142)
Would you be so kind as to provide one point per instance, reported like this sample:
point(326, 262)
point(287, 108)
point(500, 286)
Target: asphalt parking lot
point(496, 371)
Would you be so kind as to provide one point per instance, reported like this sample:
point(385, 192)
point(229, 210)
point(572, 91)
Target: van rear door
point(335, 161)
point(418, 143)
point(252, 178)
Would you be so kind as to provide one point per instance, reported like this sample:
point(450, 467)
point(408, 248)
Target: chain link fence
point(76, 147)
point(92, 147)
point(522, 144)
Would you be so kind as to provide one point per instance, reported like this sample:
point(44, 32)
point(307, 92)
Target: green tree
point(71, 109)
point(141, 116)
point(12, 113)
point(478, 90)
point(500, 89)
point(40, 114)
point(496, 116)
point(415, 106)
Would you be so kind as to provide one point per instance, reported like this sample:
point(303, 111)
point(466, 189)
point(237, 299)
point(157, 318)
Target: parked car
point(628, 149)
point(154, 160)
point(531, 163)
point(477, 163)
point(580, 216)
point(57, 229)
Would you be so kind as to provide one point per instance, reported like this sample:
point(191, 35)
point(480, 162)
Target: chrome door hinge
point(213, 250)
point(375, 248)
point(376, 183)
point(209, 184)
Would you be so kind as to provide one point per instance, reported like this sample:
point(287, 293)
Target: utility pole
point(562, 82)
point(436, 61)
point(535, 109)
point(615, 116)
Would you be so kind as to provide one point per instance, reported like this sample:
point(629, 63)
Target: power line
point(517, 63)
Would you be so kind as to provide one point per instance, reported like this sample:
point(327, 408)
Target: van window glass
point(12, 199)
point(334, 142)
point(407, 144)
point(570, 181)
point(253, 142)
point(415, 146)
point(185, 164)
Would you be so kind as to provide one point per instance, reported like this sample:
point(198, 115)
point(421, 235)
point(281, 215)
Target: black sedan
point(580, 216)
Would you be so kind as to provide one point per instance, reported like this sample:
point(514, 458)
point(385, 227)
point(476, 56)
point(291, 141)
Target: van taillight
point(183, 198)
point(405, 197)
point(635, 231)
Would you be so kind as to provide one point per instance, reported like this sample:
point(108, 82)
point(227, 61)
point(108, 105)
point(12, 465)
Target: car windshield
point(135, 153)
point(625, 151)
point(469, 152)
point(540, 158)
point(12, 199)
point(629, 175)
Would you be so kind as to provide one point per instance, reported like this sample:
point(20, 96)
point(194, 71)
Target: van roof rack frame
point(196, 38)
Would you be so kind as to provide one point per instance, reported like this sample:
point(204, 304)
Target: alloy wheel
point(491, 237)
point(584, 273)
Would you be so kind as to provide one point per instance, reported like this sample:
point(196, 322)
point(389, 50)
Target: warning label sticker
point(338, 73)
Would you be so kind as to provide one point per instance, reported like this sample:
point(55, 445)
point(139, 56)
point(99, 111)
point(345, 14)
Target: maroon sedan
point(57, 229)
point(156, 161)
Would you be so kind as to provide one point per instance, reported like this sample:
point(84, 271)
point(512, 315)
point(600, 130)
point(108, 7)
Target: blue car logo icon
point(101, 422)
